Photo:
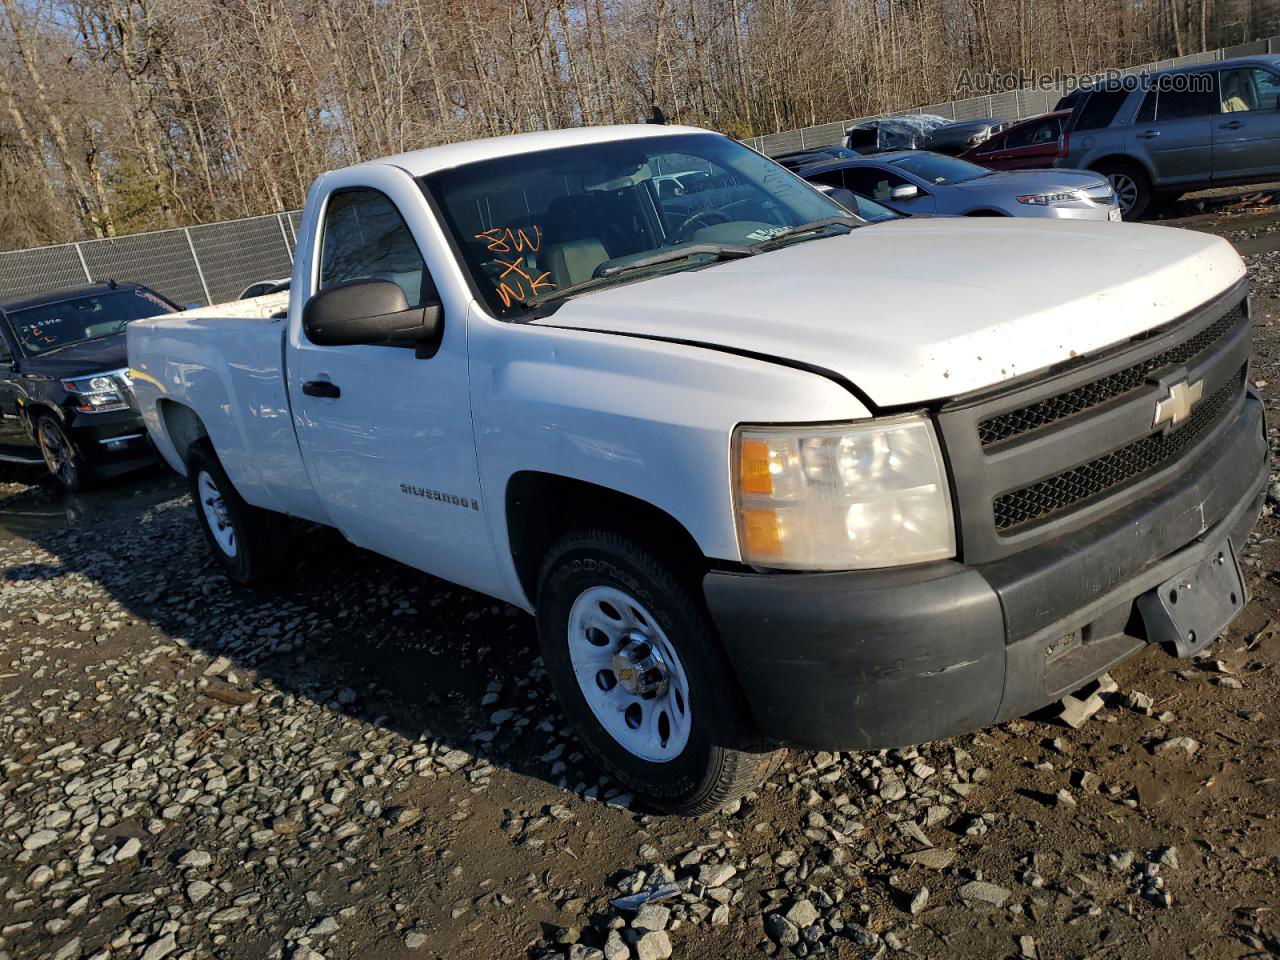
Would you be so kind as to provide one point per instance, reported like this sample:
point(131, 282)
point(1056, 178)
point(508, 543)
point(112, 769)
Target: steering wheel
point(703, 218)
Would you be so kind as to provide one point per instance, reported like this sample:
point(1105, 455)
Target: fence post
point(88, 277)
point(186, 232)
point(284, 236)
point(802, 138)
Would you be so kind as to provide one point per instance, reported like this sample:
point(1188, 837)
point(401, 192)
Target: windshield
point(941, 170)
point(54, 325)
point(535, 223)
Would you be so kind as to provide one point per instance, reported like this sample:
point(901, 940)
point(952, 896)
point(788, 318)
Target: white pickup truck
point(765, 474)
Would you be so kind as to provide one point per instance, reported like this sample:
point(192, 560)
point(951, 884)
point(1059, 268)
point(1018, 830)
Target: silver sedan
point(916, 181)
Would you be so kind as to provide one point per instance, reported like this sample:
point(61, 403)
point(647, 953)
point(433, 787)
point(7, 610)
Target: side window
point(1001, 141)
point(1268, 89)
point(1147, 112)
point(1196, 95)
point(873, 182)
point(365, 238)
point(1248, 89)
point(860, 180)
point(1033, 133)
point(6, 355)
point(832, 178)
point(1100, 109)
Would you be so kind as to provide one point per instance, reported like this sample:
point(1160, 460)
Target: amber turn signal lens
point(755, 476)
point(763, 532)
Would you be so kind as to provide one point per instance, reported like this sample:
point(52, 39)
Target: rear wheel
point(1132, 188)
point(246, 540)
point(61, 455)
point(637, 667)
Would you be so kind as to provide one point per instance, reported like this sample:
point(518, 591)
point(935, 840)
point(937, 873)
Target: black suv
point(65, 395)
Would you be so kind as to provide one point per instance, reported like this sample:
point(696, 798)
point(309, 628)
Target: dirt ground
point(364, 762)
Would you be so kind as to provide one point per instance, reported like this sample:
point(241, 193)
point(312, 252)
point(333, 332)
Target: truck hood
point(911, 311)
point(79, 359)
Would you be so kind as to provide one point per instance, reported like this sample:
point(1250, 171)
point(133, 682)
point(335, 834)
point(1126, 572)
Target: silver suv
point(1164, 134)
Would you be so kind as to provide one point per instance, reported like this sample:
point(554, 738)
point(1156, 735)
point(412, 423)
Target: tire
point(61, 456)
point(625, 640)
point(1131, 185)
point(247, 541)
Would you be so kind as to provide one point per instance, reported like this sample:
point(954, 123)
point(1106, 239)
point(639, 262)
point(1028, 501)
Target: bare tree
point(135, 114)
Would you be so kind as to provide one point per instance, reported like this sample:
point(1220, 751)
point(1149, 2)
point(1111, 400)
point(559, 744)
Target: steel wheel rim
point(56, 453)
point(648, 711)
point(215, 514)
point(1126, 190)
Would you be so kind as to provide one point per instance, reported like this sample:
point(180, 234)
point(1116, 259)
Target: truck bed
point(182, 358)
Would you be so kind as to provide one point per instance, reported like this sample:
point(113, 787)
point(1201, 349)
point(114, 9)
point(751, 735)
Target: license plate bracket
point(1189, 611)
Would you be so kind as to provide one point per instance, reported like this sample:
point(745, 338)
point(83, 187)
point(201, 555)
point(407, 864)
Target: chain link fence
point(214, 262)
point(200, 265)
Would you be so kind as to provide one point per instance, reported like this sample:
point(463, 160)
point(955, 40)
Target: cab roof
point(418, 163)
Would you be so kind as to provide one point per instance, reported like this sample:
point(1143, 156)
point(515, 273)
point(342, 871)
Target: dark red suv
point(1026, 145)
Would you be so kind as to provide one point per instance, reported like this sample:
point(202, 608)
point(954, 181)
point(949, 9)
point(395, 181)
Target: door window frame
point(317, 274)
point(1259, 68)
point(1215, 96)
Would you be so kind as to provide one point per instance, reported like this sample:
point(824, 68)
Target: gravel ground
point(365, 762)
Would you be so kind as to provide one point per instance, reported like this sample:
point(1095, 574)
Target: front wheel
point(1131, 187)
point(246, 540)
point(61, 455)
point(637, 667)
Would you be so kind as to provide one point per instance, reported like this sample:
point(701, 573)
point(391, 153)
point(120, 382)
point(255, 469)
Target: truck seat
point(572, 250)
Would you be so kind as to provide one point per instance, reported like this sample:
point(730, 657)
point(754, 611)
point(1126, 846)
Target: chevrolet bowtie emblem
point(1176, 407)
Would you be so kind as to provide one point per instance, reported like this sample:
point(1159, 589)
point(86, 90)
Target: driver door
point(387, 436)
point(1246, 134)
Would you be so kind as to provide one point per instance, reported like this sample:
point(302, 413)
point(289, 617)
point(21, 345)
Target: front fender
point(646, 418)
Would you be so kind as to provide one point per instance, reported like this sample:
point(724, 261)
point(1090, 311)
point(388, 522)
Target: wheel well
point(542, 507)
point(986, 213)
point(182, 425)
point(1117, 161)
point(34, 411)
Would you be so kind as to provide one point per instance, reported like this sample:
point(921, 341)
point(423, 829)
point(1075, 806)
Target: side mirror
point(371, 312)
point(907, 191)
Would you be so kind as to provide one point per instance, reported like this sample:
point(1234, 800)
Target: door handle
point(321, 388)
point(1148, 134)
point(1233, 125)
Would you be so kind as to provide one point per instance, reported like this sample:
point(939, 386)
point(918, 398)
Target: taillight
point(1062, 144)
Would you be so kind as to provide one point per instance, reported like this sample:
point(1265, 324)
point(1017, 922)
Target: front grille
point(1108, 473)
point(1018, 423)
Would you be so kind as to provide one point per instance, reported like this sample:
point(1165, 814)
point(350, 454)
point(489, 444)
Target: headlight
point(100, 393)
point(843, 497)
point(1044, 199)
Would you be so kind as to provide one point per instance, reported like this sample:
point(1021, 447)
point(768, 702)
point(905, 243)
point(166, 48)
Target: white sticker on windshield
point(765, 233)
